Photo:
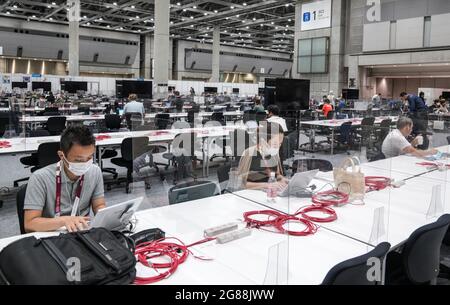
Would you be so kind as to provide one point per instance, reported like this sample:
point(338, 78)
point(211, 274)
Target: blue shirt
point(415, 103)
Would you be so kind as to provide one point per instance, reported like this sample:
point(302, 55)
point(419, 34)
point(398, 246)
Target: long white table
point(253, 260)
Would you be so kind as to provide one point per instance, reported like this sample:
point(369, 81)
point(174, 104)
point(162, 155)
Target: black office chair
point(47, 154)
point(56, 125)
point(192, 191)
point(304, 165)
point(418, 262)
point(448, 140)
point(330, 115)
point(260, 116)
point(51, 111)
point(4, 124)
point(249, 115)
point(133, 119)
point(84, 110)
point(344, 136)
point(183, 157)
point(354, 271)
point(223, 175)
point(365, 132)
point(131, 149)
point(379, 156)
point(162, 120)
point(20, 203)
point(113, 122)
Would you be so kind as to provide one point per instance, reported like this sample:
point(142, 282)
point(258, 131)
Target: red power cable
point(278, 222)
point(377, 183)
point(176, 252)
point(332, 216)
point(309, 230)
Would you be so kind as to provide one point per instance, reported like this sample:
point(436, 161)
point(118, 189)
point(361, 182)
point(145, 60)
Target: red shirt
point(327, 108)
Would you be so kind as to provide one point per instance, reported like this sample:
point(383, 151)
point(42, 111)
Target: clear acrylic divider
point(277, 270)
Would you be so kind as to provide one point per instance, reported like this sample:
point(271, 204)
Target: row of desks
point(270, 258)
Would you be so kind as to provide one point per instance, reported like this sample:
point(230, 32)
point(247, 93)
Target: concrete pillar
point(215, 78)
point(3, 65)
point(148, 56)
point(73, 15)
point(162, 47)
point(337, 46)
point(297, 36)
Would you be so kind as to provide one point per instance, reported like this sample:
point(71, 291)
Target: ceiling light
point(133, 7)
point(232, 7)
point(194, 7)
point(114, 3)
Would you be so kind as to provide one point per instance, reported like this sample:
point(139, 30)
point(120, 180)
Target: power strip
point(212, 232)
point(230, 236)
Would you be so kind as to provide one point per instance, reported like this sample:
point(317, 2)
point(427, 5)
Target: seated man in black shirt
point(259, 161)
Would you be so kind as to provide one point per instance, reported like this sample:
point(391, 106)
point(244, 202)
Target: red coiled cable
point(5, 144)
point(176, 252)
point(376, 183)
point(332, 216)
point(330, 198)
point(278, 220)
point(253, 223)
point(309, 230)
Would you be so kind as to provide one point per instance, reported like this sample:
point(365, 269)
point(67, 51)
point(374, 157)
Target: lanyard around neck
point(76, 203)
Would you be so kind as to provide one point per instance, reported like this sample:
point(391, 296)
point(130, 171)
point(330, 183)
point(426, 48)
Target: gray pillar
point(297, 36)
point(73, 15)
point(215, 77)
point(162, 45)
point(337, 47)
point(148, 56)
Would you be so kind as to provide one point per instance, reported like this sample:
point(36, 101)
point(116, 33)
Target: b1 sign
point(316, 15)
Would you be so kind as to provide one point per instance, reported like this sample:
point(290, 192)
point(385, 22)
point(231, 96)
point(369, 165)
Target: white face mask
point(79, 169)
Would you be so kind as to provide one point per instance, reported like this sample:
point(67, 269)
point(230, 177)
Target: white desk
point(245, 261)
point(69, 118)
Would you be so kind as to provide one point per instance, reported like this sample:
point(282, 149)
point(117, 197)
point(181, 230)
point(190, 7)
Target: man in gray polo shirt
point(42, 211)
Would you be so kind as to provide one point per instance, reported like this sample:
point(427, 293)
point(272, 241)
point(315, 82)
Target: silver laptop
point(299, 183)
point(116, 217)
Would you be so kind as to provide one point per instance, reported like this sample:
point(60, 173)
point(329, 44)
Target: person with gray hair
point(396, 142)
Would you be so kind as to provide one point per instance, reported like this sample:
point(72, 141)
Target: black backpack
point(94, 257)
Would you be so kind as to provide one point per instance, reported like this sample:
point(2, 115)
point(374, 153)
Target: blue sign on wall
point(36, 75)
point(307, 17)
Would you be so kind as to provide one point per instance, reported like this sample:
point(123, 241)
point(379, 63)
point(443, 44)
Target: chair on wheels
point(162, 120)
point(305, 165)
point(364, 134)
point(192, 191)
point(418, 262)
point(131, 150)
point(47, 154)
point(113, 122)
point(56, 125)
point(183, 155)
point(20, 203)
point(354, 271)
point(133, 119)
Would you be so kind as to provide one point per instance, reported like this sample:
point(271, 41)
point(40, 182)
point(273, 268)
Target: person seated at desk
point(258, 106)
point(274, 117)
point(53, 191)
point(396, 143)
point(51, 98)
point(327, 107)
point(258, 162)
point(133, 106)
point(439, 106)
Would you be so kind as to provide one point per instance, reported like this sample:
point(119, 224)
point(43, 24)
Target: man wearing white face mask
point(62, 194)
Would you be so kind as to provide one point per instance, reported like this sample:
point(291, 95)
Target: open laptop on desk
point(116, 217)
point(298, 185)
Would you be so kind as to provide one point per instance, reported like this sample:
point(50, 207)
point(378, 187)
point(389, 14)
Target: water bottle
point(272, 188)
